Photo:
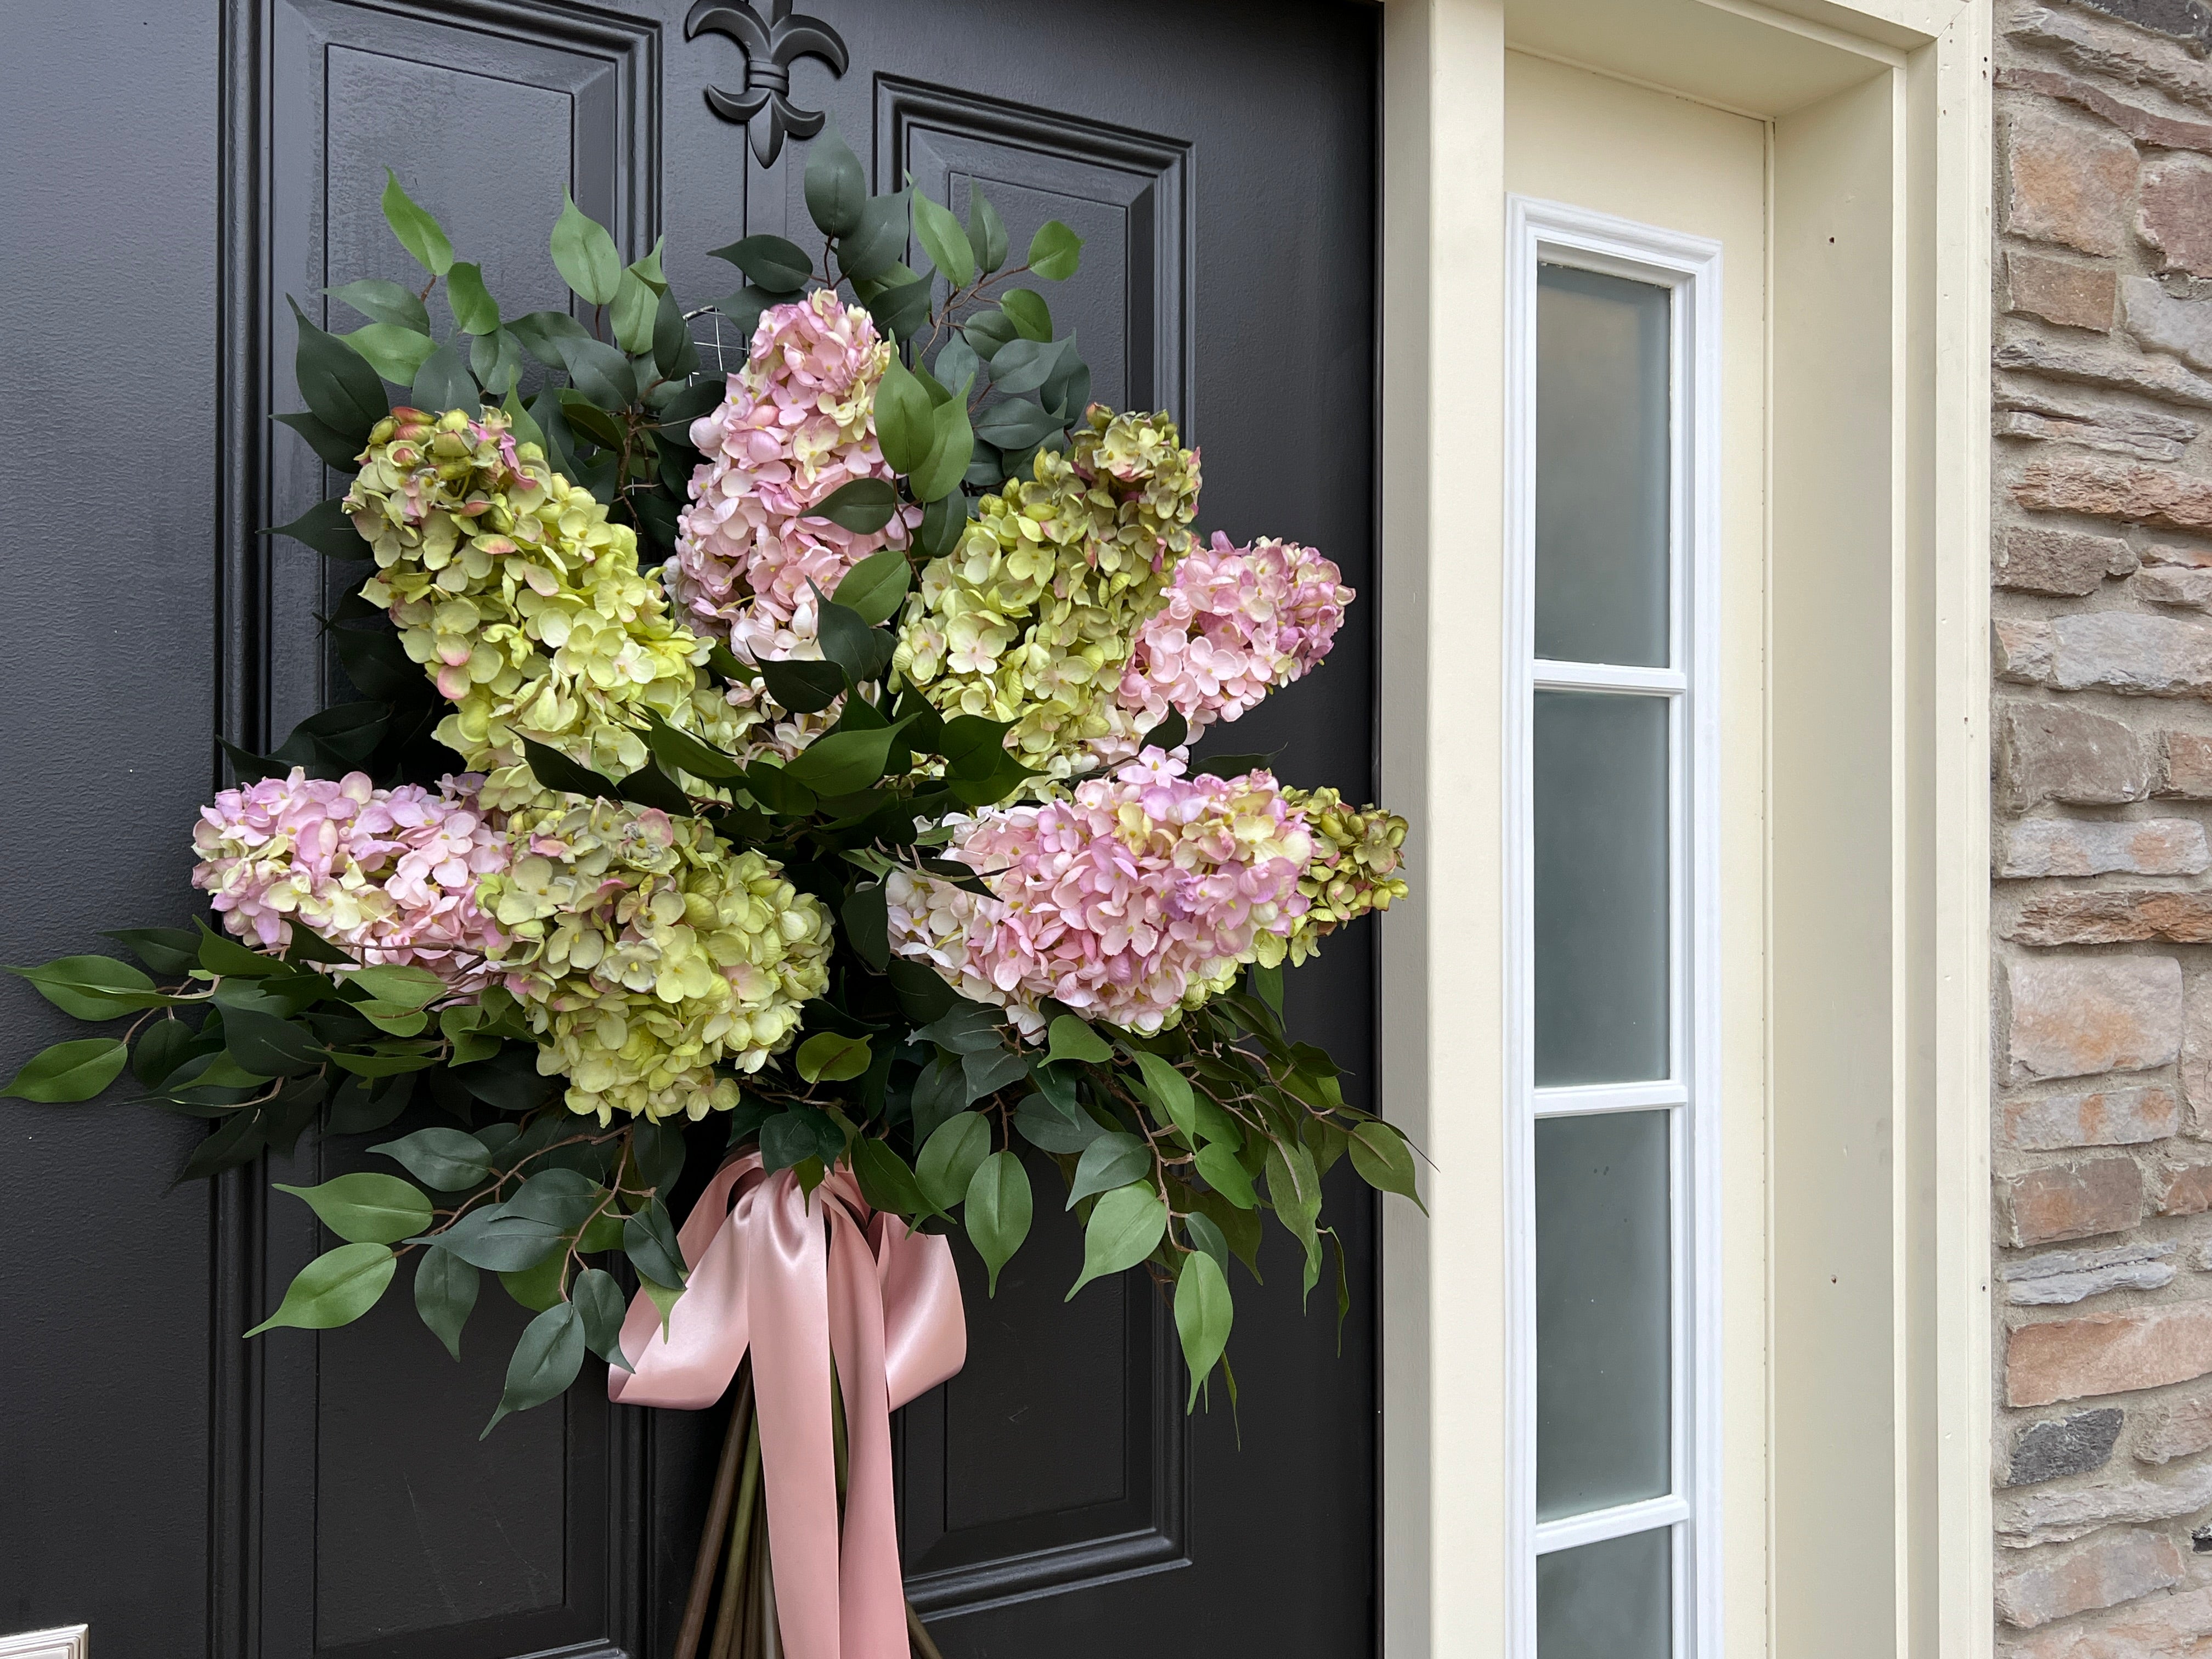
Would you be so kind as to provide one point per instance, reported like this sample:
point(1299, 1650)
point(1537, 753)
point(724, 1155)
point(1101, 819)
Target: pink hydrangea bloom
point(1239, 623)
point(797, 424)
point(1136, 897)
point(388, 875)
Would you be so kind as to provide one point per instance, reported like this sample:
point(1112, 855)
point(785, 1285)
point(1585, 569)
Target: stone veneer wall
point(2102, 564)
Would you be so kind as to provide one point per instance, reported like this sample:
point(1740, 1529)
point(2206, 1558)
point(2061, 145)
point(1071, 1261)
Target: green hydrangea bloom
point(646, 950)
point(519, 598)
point(1354, 869)
point(1030, 619)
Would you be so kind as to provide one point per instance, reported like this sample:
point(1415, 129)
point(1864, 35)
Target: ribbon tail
point(871, 1591)
point(925, 1322)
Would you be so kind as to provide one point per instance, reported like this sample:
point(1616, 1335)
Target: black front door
point(180, 173)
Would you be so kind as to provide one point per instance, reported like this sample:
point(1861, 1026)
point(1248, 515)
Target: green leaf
point(675, 353)
point(600, 372)
point(331, 446)
point(556, 771)
point(601, 1303)
point(1053, 1131)
point(267, 1045)
point(1026, 310)
point(951, 1156)
point(1126, 1226)
point(445, 1295)
point(165, 949)
point(1074, 1039)
point(585, 254)
point(219, 953)
point(382, 301)
point(491, 1239)
point(1025, 365)
point(444, 382)
point(1383, 1160)
point(649, 1239)
point(1295, 1191)
point(875, 245)
point(863, 506)
point(1111, 1161)
point(541, 333)
point(1208, 1237)
point(495, 359)
point(418, 232)
point(1054, 251)
point(885, 1180)
point(973, 745)
point(343, 392)
point(657, 1150)
point(986, 232)
point(774, 264)
point(830, 1057)
point(395, 353)
point(874, 588)
point(665, 1298)
point(681, 752)
point(804, 686)
point(68, 1071)
point(162, 1048)
point(867, 915)
point(1203, 1314)
point(444, 1160)
point(475, 312)
point(905, 422)
point(325, 528)
point(797, 1135)
point(636, 306)
point(954, 442)
point(91, 987)
point(843, 763)
point(545, 1362)
point(901, 311)
point(1170, 1090)
point(836, 184)
point(966, 1028)
point(943, 240)
point(366, 1208)
point(335, 1289)
point(988, 1071)
point(410, 988)
point(998, 1211)
point(988, 331)
point(1219, 1165)
point(539, 1287)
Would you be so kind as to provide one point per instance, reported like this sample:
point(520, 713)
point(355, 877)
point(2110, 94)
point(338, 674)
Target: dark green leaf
point(922, 994)
point(998, 1210)
point(1126, 1226)
point(797, 1133)
point(802, 685)
point(444, 382)
point(953, 442)
point(885, 1180)
point(382, 301)
point(541, 332)
point(1041, 1125)
point(636, 304)
point(334, 448)
point(957, 364)
point(365, 1207)
point(901, 311)
point(1024, 365)
point(475, 312)
point(651, 787)
point(395, 353)
point(556, 771)
point(1203, 1315)
point(444, 1295)
point(600, 372)
point(874, 589)
point(495, 359)
point(1014, 424)
point(1054, 251)
point(841, 763)
point(334, 1289)
point(836, 186)
point(742, 310)
point(988, 331)
point(325, 528)
point(221, 954)
point(68, 1071)
point(265, 1044)
point(649, 1239)
point(585, 254)
point(343, 392)
point(990, 1071)
point(588, 420)
point(986, 232)
point(681, 752)
point(866, 917)
point(165, 949)
point(965, 1028)
point(863, 506)
point(1172, 733)
point(875, 245)
point(951, 1156)
point(1111, 1161)
point(444, 1160)
point(545, 1362)
point(1383, 1160)
point(943, 240)
point(832, 1057)
point(561, 1198)
point(1026, 310)
point(417, 231)
point(91, 987)
point(599, 1300)
point(1208, 1237)
point(491, 1239)
point(675, 353)
point(774, 263)
point(778, 793)
point(1231, 766)
point(162, 1047)
point(657, 1149)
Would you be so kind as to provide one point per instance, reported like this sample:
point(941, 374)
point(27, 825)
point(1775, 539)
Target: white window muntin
point(1540, 233)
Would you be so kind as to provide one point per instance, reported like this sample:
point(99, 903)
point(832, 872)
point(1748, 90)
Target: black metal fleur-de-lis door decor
point(771, 46)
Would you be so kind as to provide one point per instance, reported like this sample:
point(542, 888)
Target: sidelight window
point(1612, 424)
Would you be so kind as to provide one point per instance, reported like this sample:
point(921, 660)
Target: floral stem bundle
point(783, 766)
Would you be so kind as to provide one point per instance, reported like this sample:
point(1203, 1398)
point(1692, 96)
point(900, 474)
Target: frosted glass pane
point(1601, 484)
point(1609, 1600)
point(1603, 1320)
point(1601, 900)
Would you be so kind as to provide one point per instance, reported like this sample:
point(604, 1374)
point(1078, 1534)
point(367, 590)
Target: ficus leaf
point(69, 1071)
point(1126, 1225)
point(1170, 1089)
point(444, 1295)
point(1111, 1161)
point(831, 1057)
point(1383, 1160)
point(545, 1362)
point(418, 231)
point(325, 528)
point(335, 1289)
point(1203, 1315)
point(365, 1207)
point(491, 1239)
point(636, 306)
point(649, 1239)
point(951, 1156)
point(945, 241)
point(91, 987)
point(841, 763)
point(998, 1210)
point(600, 1302)
point(475, 312)
point(584, 255)
point(1054, 251)
point(1074, 1039)
point(1219, 1165)
point(867, 915)
point(444, 1160)
point(836, 184)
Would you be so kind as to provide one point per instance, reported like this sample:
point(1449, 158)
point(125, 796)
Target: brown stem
point(744, 1535)
point(717, 1522)
point(918, 1635)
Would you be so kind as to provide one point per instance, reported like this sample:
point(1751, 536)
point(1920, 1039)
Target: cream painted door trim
point(67, 1641)
point(1446, 1553)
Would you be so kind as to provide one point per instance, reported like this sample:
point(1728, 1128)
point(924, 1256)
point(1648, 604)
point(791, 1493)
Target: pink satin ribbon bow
point(799, 1281)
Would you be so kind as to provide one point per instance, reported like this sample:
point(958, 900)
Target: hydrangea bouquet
point(802, 749)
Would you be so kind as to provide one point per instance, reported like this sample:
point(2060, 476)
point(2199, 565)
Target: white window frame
point(1690, 266)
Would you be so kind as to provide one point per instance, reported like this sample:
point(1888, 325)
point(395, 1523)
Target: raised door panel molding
point(67, 1641)
point(1127, 193)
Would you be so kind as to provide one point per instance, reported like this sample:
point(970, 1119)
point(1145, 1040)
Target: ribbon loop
point(799, 1278)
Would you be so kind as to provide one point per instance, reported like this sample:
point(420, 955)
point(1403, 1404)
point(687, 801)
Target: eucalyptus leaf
point(1026, 310)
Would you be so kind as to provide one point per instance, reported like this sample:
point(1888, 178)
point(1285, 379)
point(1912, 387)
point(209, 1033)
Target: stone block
point(2174, 213)
point(2090, 434)
point(2105, 1117)
point(2166, 584)
point(2115, 489)
point(2059, 1514)
point(2184, 766)
point(2069, 1201)
point(2088, 365)
point(2072, 847)
point(2160, 322)
point(2178, 556)
point(2182, 1188)
point(2160, 1627)
point(2186, 21)
point(2195, 1069)
point(2067, 182)
point(2033, 558)
point(2102, 1571)
point(2060, 291)
point(2103, 1354)
point(2123, 651)
point(2143, 124)
point(2125, 915)
point(2062, 1278)
point(2078, 1016)
point(2076, 1445)
point(2176, 1426)
point(2164, 437)
point(2118, 55)
point(2048, 752)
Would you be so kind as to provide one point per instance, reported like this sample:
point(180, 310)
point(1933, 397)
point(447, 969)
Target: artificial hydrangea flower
point(1237, 623)
point(1135, 897)
point(798, 425)
point(389, 875)
point(520, 598)
point(1354, 870)
point(646, 950)
point(1031, 618)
